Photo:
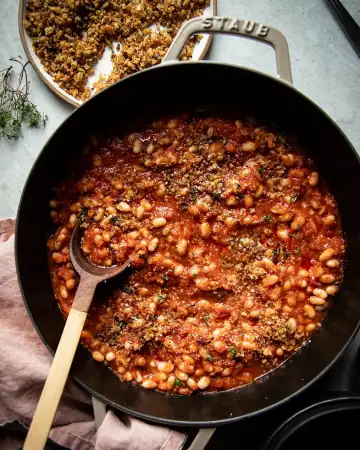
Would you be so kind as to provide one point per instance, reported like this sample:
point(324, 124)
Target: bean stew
point(235, 243)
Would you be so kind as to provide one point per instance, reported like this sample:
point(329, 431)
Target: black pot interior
point(217, 89)
point(330, 425)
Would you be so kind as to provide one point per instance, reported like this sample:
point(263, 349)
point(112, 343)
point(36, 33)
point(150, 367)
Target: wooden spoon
point(90, 276)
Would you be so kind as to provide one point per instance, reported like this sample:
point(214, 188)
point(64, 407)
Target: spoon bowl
point(82, 264)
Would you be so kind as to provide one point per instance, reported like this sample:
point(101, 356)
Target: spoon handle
point(59, 371)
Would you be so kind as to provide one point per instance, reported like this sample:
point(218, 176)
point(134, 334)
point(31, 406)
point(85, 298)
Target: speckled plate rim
point(47, 79)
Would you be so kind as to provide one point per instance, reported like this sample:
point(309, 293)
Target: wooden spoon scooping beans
point(90, 276)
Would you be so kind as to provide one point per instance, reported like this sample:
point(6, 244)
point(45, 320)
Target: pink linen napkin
point(24, 365)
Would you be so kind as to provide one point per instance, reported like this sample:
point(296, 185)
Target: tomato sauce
point(235, 244)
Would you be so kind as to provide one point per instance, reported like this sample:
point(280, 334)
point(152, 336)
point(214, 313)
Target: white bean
point(248, 201)
point(326, 254)
point(283, 234)
point(317, 301)
point(329, 220)
point(99, 215)
point(314, 179)
point(140, 212)
point(153, 244)
point(98, 356)
point(205, 230)
point(179, 269)
point(63, 292)
point(204, 382)
point(320, 293)
point(123, 206)
point(297, 223)
point(70, 284)
point(292, 324)
point(333, 263)
point(232, 200)
point(110, 356)
point(159, 222)
point(149, 384)
point(270, 280)
point(331, 290)
point(192, 384)
point(309, 311)
point(249, 146)
point(181, 247)
point(73, 220)
point(327, 278)
point(137, 146)
point(165, 366)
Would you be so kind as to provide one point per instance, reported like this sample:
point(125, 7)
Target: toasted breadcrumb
point(70, 36)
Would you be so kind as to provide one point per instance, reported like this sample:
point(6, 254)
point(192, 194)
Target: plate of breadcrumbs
point(79, 47)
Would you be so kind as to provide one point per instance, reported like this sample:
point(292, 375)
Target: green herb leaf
point(83, 215)
point(267, 218)
point(216, 195)
point(193, 193)
point(206, 320)
point(293, 199)
point(162, 297)
point(210, 357)
point(261, 169)
point(128, 289)
point(178, 382)
point(233, 352)
point(120, 322)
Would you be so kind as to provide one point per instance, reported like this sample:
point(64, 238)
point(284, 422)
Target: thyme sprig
point(15, 106)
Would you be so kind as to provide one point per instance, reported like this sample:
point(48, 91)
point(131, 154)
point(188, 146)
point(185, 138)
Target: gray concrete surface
point(325, 67)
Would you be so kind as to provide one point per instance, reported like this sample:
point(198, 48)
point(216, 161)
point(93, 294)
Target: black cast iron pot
point(331, 424)
point(218, 89)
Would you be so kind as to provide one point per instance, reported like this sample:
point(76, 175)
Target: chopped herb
point(282, 252)
point(178, 382)
point(233, 352)
point(83, 215)
point(293, 199)
point(267, 218)
point(238, 186)
point(206, 320)
point(261, 169)
point(184, 206)
point(193, 193)
point(216, 195)
point(120, 322)
point(162, 297)
point(210, 357)
point(116, 220)
point(128, 289)
point(195, 275)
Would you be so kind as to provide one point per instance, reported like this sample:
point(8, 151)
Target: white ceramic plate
point(104, 66)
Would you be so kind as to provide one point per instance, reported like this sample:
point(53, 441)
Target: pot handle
point(246, 28)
